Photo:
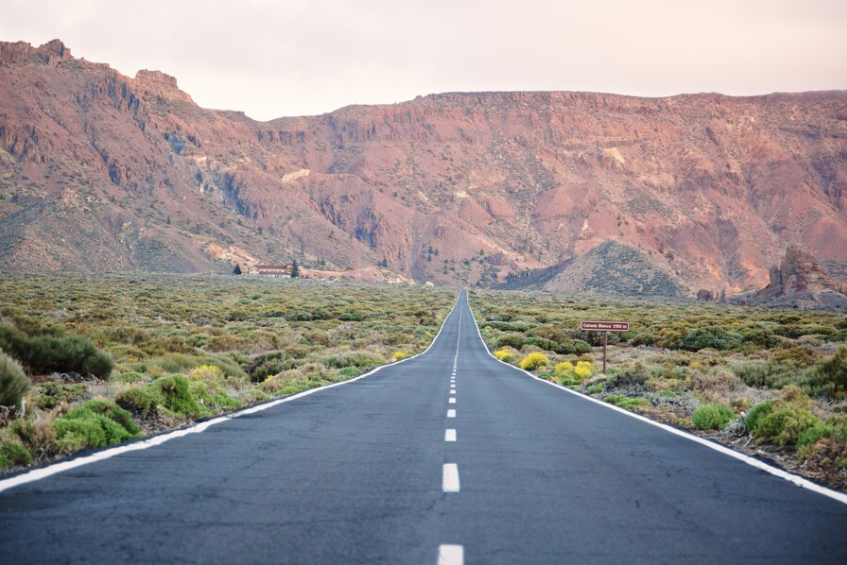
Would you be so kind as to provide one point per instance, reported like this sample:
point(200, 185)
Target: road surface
point(398, 467)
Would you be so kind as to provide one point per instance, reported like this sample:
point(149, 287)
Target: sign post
point(605, 327)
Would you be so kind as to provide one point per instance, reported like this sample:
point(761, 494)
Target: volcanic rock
point(800, 281)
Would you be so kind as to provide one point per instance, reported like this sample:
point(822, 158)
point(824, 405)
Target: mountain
point(614, 268)
point(102, 172)
point(800, 281)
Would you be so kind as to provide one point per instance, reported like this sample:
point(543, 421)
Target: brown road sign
point(590, 326)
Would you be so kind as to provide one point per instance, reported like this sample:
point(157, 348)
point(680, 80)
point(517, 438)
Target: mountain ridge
point(458, 188)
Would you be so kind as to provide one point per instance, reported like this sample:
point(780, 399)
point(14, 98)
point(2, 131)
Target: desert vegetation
point(89, 361)
point(771, 382)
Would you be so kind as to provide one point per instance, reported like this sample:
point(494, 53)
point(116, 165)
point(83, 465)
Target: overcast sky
point(273, 58)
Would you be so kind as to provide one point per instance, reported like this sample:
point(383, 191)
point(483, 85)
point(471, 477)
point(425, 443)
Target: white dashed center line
point(451, 555)
point(451, 413)
point(452, 392)
point(452, 401)
point(450, 478)
point(449, 435)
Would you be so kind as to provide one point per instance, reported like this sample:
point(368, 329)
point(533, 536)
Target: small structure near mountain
point(274, 270)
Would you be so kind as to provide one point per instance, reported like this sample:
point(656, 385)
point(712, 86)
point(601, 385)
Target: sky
point(274, 58)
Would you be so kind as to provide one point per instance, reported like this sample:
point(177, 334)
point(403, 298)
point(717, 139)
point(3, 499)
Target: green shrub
point(176, 396)
point(715, 337)
point(545, 344)
point(14, 453)
point(533, 361)
point(758, 374)
point(627, 402)
point(756, 414)
point(211, 395)
point(13, 382)
point(96, 423)
point(829, 377)
point(128, 377)
point(52, 394)
point(643, 338)
point(348, 373)
point(45, 355)
point(712, 417)
point(140, 400)
point(515, 341)
point(782, 420)
point(785, 425)
point(812, 435)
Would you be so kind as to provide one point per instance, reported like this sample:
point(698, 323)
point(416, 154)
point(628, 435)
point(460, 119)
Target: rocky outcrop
point(801, 281)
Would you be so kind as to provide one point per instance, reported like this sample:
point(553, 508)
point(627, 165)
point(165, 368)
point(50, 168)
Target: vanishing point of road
point(450, 457)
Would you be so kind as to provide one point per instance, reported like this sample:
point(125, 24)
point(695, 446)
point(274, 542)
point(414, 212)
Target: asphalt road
point(364, 473)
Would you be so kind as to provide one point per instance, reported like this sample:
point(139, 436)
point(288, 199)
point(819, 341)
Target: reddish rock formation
point(103, 172)
point(801, 281)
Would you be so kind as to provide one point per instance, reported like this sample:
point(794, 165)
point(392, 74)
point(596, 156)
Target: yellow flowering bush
point(504, 355)
point(534, 361)
point(204, 372)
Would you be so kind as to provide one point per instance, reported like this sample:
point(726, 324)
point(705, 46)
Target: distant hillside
point(614, 268)
point(103, 172)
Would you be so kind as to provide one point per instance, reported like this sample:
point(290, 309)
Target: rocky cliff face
point(103, 172)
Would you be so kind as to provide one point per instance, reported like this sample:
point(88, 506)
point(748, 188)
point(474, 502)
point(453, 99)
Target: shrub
point(205, 372)
point(583, 369)
point(53, 394)
point(504, 355)
point(515, 341)
point(14, 453)
point(348, 373)
point(569, 373)
point(352, 358)
point(13, 382)
point(139, 400)
point(626, 402)
point(128, 377)
point(643, 338)
point(829, 377)
point(714, 337)
point(546, 344)
point(782, 420)
point(96, 423)
point(533, 361)
point(398, 356)
point(564, 368)
point(176, 396)
point(52, 354)
point(211, 395)
point(712, 417)
point(756, 414)
point(812, 435)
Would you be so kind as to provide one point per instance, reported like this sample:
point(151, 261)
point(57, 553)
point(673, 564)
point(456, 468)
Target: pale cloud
point(291, 57)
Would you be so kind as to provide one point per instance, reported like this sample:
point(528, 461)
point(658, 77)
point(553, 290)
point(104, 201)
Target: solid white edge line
point(108, 453)
point(451, 554)
point(449, 434)
point(450, 478)
point(752, 461)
